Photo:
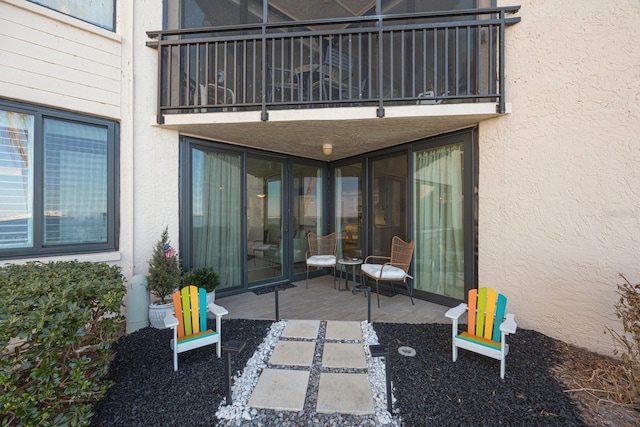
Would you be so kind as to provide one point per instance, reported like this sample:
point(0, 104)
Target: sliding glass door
point(265, 178)
point(248, 214)
point(308, 207)
point(440, 215)
point(389, 202)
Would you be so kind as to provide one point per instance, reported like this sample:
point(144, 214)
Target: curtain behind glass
point(438, 221)
point(216, 222)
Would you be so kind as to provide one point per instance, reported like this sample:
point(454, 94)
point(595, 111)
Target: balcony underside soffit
point(351, 131)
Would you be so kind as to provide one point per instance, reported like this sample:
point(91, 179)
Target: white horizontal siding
point(46, 60)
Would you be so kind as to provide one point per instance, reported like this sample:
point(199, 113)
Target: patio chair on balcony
point(213, 94)
point(336, 80)
point(283, 85)
point(390, 269)
point(322, 253)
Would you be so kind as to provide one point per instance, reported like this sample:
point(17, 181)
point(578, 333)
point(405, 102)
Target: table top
point(350, 261)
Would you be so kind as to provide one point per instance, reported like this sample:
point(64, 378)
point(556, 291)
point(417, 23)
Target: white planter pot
point(211, 297)
point(157, 312)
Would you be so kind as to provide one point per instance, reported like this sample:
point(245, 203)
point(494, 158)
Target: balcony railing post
point(501, 102)
point(264, 115)
point(380, 111)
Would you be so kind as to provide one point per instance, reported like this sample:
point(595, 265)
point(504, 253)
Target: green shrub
point(57, 323)
point(202, 277)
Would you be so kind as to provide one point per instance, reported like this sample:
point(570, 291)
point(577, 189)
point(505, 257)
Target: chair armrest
point(456, 312)
point(375, 257)
point(509, 326)
point(170, 320)
point(217, 310)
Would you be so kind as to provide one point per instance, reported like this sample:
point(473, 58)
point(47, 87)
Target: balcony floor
point(352, 131)
point(322, 302)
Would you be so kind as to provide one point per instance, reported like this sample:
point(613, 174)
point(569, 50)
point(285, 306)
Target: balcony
point(295, 76)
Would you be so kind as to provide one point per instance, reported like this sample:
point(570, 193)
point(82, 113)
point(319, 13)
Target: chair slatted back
point(401, 253)
point(322, 245)
point(486, 312)
point(336, 58)
point(190, 307)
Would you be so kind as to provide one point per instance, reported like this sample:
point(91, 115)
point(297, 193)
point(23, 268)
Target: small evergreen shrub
point(57, 323)
point(164, 269)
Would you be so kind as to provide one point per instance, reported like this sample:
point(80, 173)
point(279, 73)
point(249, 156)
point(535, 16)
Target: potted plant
point(203, 277)
point(164, 278)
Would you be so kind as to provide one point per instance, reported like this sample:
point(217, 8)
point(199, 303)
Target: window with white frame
point(58, 182)
point(100, 12)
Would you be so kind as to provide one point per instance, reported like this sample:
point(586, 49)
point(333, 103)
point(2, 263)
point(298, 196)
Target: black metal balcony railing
point(456, 56)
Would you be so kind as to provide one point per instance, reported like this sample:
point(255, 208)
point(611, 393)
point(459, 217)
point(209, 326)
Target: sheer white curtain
point(439, 220)
point(217, 235)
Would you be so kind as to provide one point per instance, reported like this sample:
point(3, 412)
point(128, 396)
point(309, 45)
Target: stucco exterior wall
point(559, 215)
point(155, 155)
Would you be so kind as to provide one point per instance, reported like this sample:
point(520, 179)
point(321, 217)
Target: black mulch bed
point(430, 389)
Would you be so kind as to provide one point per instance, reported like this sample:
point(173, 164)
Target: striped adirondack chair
point(487, 325)
point(189, 322)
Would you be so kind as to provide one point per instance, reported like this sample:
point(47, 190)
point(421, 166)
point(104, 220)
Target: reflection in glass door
point(389, 203)
point(348, 208)
point(439, 232)
point(307, 206)
point(264, 219)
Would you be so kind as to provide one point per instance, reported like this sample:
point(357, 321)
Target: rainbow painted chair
point(487, 325)
point(189, 322)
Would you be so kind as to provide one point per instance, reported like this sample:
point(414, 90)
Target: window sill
point(95, 257)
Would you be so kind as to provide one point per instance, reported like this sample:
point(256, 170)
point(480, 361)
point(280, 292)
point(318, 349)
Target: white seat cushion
point(388, 273)
point(322, 260)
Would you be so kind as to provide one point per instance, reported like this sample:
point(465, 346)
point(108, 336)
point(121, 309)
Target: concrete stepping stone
point(343, 355)
point(295, 353)
point(343, 330)
point(301, 329)
point(281, 390)
point(345, 394)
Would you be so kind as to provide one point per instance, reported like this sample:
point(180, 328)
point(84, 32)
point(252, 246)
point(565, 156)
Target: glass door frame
point(469, 139)
point(187, 144)
point(283, 241)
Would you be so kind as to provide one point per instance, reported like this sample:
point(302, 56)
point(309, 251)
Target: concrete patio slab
point(301, 329)
point(343, 330)
point(343, 355)
point(296, 353)
point(280, 390)
point(345, 394)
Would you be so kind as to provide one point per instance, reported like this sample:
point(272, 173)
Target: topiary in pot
point(164, 277)
point(203, 277)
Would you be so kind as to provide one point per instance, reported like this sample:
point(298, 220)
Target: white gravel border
point(245, 382)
